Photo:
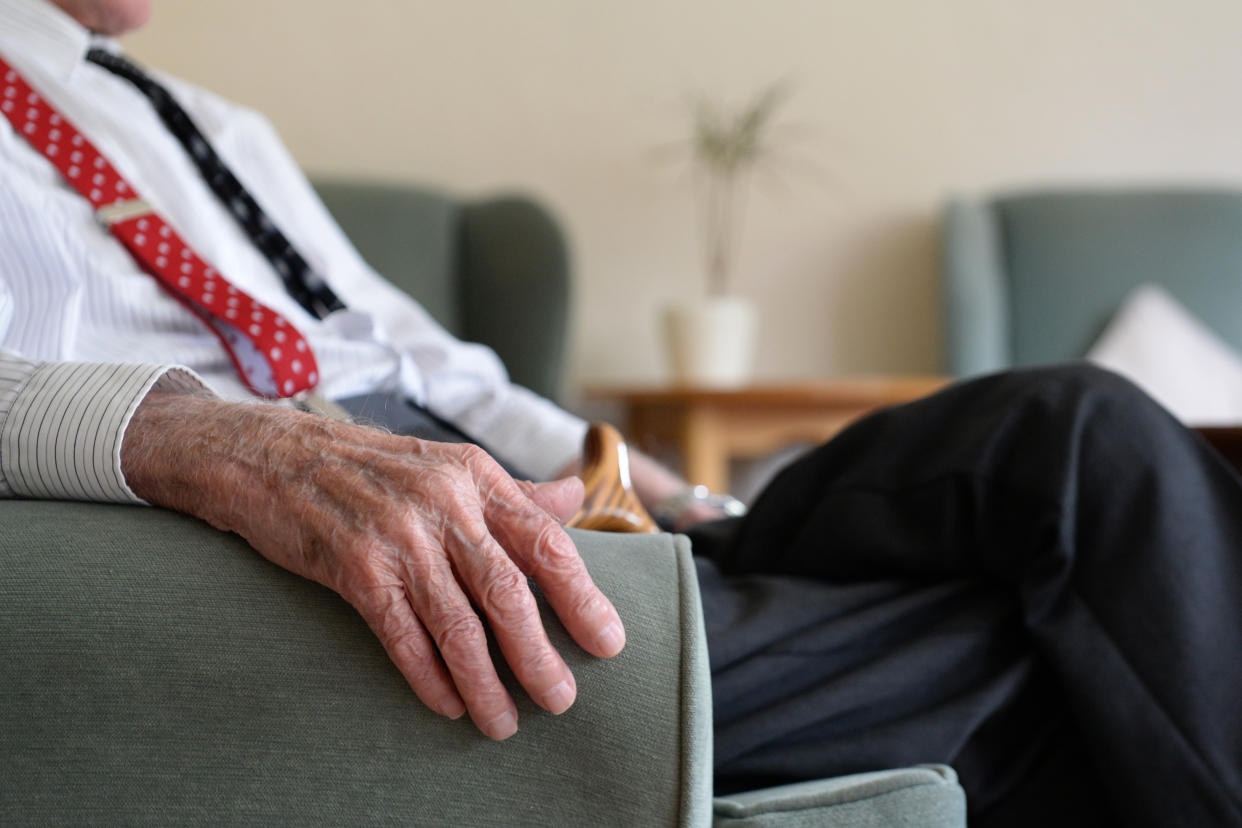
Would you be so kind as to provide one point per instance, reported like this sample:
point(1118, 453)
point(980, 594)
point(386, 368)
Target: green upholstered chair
point(1033, 277)
point(157, 671)
point(492, 270)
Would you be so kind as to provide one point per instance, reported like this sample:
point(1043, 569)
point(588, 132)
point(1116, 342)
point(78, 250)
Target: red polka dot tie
point(270, 356)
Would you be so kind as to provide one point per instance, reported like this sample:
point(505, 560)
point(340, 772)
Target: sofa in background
point(157, 671)
point(1033, 277)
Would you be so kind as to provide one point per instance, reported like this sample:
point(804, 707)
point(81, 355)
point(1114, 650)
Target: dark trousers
point(1034, 577)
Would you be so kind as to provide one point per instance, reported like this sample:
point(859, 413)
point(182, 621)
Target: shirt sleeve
point(62, 424)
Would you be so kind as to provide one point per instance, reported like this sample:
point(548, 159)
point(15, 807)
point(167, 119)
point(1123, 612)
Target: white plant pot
point(711, 343)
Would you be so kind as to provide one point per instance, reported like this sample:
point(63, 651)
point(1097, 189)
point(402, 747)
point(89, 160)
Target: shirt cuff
point(60, 438)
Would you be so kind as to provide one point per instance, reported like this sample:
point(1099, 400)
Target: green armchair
point(1035, 276)
point(158, 671)
point(492, 270)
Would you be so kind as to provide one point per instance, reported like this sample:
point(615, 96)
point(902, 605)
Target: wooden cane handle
point(610, 504)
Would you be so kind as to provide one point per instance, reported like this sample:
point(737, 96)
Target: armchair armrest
point(156, 670)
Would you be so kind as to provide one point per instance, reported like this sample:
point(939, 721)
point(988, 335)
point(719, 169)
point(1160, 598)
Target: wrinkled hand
point(409, 532)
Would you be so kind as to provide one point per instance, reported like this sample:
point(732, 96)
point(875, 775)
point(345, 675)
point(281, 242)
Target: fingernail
point(559, 698)
point(611, 640)
point(501, 727)
point(452, 709)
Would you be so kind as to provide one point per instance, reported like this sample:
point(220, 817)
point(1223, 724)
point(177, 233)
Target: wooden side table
point(709, 427)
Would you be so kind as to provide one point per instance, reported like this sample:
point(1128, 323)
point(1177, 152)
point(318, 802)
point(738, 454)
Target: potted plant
point(711, 341)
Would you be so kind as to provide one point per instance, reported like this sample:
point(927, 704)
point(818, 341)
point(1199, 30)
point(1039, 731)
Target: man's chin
point(108, 17)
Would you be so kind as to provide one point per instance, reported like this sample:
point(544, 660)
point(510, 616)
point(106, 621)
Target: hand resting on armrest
point(410, 532)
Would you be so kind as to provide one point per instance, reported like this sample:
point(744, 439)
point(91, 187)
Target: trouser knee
point(1081, 393)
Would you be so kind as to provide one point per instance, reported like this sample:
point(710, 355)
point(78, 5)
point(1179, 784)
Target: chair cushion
point(1162, 347)
point(922, 797)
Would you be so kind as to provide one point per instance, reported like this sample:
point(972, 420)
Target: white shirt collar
point(40, 31)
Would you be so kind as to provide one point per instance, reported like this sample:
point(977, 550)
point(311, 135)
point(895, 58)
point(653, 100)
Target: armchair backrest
point(1035, 277)
point(494, 271)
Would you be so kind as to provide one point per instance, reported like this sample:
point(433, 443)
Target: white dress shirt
point(85, 332)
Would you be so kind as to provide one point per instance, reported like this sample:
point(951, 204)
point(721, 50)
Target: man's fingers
point(553, 562)
point(392, 619)
point(459, 635)
point(540, 546)
point(408, 531)
point(559, 498)
point(501, 591)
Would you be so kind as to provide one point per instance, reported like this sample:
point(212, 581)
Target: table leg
point(704, 449)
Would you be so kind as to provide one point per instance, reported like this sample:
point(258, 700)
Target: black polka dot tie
point(302, 283)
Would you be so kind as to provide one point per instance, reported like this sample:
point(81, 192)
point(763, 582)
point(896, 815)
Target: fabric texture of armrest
point(159, 671)
point(927, 796)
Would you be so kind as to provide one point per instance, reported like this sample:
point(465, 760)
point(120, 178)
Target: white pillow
point(1158, 344)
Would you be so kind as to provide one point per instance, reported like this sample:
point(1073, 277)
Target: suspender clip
point(314, 403)
point(119, 211)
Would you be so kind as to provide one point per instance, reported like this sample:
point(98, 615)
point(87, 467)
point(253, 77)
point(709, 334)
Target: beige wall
point(905, 102)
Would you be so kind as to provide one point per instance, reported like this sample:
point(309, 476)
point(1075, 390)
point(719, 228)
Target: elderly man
point(1003, 561)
